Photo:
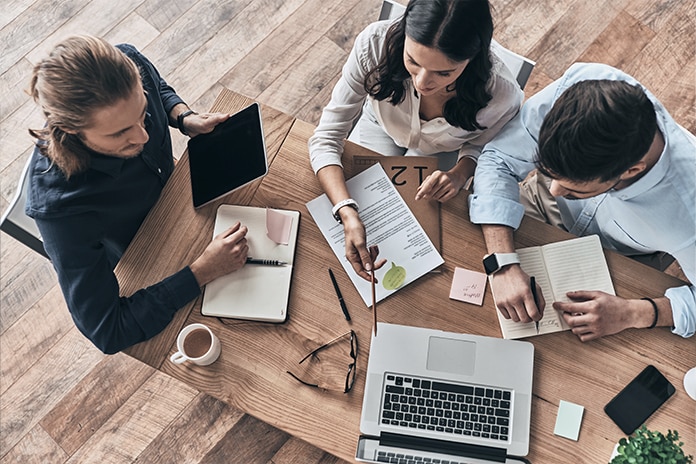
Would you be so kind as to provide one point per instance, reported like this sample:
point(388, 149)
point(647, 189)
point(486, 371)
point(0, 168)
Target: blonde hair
point(82, 74)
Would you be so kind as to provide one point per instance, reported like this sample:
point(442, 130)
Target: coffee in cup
point(198, 344)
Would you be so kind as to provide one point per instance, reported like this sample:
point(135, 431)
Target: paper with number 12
point(390, 224)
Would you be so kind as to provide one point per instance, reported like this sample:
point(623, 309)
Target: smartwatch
point(496, 261)
point(347, 202)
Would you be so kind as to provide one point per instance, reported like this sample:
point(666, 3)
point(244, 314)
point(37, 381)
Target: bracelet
point(657, 312)
point(347, 202)
point(180, 120)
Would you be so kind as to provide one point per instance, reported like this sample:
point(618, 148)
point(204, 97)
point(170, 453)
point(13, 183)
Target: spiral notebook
point(256, 292)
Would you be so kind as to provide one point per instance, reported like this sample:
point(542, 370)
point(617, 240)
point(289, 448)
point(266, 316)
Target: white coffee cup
point(198, 344)
point(690, 383)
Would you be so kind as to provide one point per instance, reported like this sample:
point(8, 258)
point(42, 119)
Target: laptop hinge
point(434, 445)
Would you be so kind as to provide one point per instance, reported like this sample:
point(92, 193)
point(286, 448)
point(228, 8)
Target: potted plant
point(649, 447)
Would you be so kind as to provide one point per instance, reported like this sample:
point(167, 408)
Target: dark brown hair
point(596, 130)
point(461, 30)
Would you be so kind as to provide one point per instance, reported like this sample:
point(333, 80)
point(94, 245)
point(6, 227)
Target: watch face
point(490, 264)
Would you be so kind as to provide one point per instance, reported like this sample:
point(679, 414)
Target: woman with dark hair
point(424, 84)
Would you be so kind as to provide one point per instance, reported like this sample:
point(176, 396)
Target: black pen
point(532, 283)
point(338, 294)
point(266, 262)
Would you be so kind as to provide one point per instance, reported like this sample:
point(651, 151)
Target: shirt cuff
point(495, 210)
point(683, 302)
point(182, 287)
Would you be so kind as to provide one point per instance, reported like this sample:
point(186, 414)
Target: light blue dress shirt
point(656, 213)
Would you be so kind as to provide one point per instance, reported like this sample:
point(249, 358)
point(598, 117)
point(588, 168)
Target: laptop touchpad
point(451, 355)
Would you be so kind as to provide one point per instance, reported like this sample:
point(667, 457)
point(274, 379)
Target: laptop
point(442, 397)
point(229, 157)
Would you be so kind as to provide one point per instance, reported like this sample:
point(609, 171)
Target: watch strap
point(180, 120)
point(496, 261)
point(347, 202)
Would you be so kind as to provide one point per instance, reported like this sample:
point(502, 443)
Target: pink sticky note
point(278, 226)
point(468, 286)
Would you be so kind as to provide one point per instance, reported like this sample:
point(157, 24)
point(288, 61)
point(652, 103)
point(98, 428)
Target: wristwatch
point(180, 120)
point(496, 261)
point(347, 202)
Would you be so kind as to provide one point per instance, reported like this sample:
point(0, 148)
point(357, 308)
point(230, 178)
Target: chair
point(17, 224)
point(520, 66)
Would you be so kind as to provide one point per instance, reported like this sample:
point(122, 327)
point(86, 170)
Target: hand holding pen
point(532, 284)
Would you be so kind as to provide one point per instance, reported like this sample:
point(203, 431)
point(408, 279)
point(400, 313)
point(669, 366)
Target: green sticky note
point(568, 420)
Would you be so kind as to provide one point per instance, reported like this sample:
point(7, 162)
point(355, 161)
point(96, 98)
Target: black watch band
point(180, 120)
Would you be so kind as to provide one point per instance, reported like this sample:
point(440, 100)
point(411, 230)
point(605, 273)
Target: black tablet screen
point(229, 157)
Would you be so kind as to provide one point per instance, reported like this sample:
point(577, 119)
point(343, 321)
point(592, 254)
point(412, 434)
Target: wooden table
point(251, 371)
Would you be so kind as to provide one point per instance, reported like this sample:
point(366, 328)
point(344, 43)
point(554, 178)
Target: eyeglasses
point(350, 377)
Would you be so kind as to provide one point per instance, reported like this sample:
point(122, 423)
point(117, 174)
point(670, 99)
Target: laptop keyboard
point(450, 408)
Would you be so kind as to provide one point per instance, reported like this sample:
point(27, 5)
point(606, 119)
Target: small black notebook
point(229, 157)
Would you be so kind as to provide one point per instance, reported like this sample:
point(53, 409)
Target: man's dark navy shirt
point(87, 222)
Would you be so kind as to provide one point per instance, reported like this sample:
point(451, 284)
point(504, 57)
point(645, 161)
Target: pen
point(266, 262)
point(532, 283)
point(338, 294)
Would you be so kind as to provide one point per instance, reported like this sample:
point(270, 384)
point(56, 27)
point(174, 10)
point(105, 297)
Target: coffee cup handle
point(178, 357)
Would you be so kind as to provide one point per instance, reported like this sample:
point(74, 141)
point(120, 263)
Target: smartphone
point(632, 406)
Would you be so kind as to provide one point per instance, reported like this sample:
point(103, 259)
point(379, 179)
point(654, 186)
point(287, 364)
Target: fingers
point(437, 186)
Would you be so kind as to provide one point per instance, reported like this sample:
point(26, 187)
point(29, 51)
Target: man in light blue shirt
point(611, 162)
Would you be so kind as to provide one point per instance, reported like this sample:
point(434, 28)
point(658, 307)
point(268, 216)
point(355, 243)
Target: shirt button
point(159, 171)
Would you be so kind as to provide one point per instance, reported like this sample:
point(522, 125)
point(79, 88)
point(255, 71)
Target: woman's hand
point(356, 247)
point(443, 186)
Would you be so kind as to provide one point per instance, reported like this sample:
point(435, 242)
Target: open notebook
point(561, 267)
point(256, 292)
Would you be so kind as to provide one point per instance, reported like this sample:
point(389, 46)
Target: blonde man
point(101, 162)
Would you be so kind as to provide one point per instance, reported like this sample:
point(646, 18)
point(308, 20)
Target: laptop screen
point(229, 157)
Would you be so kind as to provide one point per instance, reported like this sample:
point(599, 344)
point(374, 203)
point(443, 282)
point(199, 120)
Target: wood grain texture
point(25, 342)
point(652, 39)
point(137, 423)
point(34, 394)
point(195, 432)
point(93, 401)
point(36, 447)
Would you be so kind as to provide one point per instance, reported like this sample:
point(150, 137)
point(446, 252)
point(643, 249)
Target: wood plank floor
point(61, 400)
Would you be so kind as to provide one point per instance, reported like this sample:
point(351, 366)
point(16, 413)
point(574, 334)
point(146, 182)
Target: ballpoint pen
point(266, 262)
point(338, 294)
point(532, 283)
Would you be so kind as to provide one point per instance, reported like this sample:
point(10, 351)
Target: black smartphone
point(632, 406)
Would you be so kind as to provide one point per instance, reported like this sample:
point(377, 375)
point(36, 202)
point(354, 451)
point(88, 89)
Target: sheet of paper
point(577, 260)
point(468, 286)
point(568, 420)
point(407, 173)
point(390, 224)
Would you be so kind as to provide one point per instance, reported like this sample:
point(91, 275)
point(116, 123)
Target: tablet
point(229, 157)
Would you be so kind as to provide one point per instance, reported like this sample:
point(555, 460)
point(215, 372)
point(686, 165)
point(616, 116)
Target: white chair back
point(16, 223)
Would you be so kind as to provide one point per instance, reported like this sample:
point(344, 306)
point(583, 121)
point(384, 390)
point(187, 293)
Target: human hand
point(440, 186)
point(594, 314)
point(225, 254)
point(357, 253)
point(196, 124)
point(513, 295)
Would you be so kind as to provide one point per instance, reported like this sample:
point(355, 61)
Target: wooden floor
point(61, 400)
